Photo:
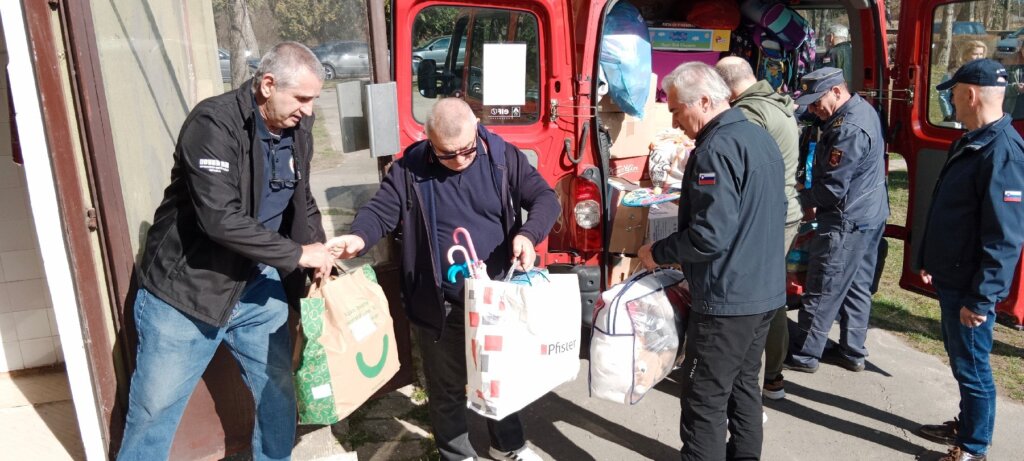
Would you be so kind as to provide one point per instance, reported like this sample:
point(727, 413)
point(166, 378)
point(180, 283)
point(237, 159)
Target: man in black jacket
point(732, 213)
point(971, 246)
point(462, 176)
point(226, 253)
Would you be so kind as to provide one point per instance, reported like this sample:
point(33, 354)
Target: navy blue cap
point(815, 84)
point(981, 72)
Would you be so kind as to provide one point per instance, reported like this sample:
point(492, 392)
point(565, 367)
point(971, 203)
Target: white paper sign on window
point(504, 74)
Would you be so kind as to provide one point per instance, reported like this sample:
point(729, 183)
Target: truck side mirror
point(426, 78)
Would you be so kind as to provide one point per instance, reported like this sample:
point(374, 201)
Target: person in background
point(840, 50)
point(229, 249)
point(462, 176)
point(969, 51)
point(850, 202)
point(730, 244)
point(970, 248)
point(773, 112)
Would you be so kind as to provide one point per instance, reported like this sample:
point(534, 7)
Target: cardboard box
point(631, 136)
point(621, 268)
point(633, 169)
point(629, 224)
point(662, 221)
point(681, 39)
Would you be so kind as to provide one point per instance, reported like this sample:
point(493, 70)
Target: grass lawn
point(916, 318)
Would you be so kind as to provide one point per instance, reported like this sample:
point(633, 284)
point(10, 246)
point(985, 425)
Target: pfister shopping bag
point(522, 340)
point(349, 350)
point(636, 335)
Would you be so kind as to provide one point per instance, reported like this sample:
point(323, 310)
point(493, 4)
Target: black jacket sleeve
point(381, 214)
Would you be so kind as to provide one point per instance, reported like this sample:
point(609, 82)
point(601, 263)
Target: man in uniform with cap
point(970, 247)
point(849, 198)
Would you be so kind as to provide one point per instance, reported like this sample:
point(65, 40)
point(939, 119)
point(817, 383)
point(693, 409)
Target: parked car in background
point(225, 64)
point(344, 58)
point(1008, 47)
point(435, 49)
point(962, 28)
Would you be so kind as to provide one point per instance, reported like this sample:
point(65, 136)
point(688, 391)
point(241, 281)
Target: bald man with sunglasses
point(461, 176)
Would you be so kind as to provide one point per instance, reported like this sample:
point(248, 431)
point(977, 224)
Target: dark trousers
point(444, 364)
point(839, 277)
point(720, 387)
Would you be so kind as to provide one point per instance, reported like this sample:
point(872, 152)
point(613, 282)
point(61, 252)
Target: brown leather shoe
point(944, 433)
point(958, 454)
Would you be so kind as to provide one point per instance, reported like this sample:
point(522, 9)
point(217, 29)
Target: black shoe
point(835, 356)
point(944, 433)
point(790, 364)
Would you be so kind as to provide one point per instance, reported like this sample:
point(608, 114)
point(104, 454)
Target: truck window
point(960, 33)
point(461, 73)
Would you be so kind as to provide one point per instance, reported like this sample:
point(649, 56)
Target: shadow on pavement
point(539, 419)
point(844, 426)
point(890, 316)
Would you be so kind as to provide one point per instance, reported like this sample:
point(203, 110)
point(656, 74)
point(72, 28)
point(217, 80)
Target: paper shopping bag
point(349, 350)
point(522, 340)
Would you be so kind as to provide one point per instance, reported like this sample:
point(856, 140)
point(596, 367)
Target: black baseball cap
point(981, 72)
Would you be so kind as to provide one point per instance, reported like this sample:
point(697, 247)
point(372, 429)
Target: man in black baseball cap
point(970, 247)
point(981, 72)
point(849, 200)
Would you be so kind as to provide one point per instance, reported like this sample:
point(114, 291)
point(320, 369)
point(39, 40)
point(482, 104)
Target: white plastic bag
point(635, 340)
point(522, 341)
point(670, 151)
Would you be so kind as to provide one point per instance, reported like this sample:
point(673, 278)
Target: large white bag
point(635, 337)
point(522, 340)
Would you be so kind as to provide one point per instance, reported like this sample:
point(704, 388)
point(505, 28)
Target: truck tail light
point(586, 213)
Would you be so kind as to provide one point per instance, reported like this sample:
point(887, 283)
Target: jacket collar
point(730, 116)
point(844, 109)
point(983, 136)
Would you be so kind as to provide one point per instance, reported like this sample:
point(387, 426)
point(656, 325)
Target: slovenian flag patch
point(708, 179)
point(1011, 196)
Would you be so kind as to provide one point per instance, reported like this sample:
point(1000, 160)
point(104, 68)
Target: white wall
point(28, 332)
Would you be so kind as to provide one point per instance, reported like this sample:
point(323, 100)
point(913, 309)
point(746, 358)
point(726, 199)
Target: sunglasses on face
point(464, 152)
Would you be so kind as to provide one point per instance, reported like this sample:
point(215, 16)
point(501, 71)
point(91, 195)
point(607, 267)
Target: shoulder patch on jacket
point(706, 179)
point(839, 122)
point(214, 165)
point(1011, 196)
point(835, 157)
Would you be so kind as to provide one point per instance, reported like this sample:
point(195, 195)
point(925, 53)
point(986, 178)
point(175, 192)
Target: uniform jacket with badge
point(732, 213)
point(975, 226)
point(404, 202)
point(848, 179)
point(206, 239)
point(768, 109)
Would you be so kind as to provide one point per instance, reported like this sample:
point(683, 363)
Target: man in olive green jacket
point(773, 112)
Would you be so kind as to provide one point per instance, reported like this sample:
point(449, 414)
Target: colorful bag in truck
point(349, 349)
point(522, 340)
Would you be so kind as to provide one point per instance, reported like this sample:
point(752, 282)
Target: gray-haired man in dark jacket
point(226, 252)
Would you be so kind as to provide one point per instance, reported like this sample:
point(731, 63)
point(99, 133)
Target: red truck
point(554, 116)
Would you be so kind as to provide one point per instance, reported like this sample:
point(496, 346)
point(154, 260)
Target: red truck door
point(510, 60)
point(934, 38)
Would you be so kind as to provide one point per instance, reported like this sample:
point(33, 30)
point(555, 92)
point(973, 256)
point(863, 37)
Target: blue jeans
point(174, 350)
point(968, 350)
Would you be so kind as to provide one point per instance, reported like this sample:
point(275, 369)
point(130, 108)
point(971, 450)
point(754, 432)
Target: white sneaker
point(523, 454)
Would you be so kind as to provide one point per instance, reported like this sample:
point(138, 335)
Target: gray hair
point(285, 61)
point(688, 82)
point(449, 118)
point(839, 31)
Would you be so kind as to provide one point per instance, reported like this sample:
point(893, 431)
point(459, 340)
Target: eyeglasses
point(278, 184)
point(464, 152)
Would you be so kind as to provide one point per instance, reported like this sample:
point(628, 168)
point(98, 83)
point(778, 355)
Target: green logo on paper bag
point(374, 370)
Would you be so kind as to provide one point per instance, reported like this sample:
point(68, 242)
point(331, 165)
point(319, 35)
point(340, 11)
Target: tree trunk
point(243, 42)
point(947, 38)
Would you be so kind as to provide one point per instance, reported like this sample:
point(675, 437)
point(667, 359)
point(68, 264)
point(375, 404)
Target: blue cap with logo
point(981, 72)
point(815, 84)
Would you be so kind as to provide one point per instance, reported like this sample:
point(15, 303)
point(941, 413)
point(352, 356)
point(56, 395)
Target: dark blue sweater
point(403, 202)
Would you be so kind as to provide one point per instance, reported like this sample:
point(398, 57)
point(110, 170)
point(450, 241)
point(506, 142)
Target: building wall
point(28, 332)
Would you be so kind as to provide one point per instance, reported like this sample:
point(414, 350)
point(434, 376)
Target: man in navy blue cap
point(849, 199)
point(971, 245)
